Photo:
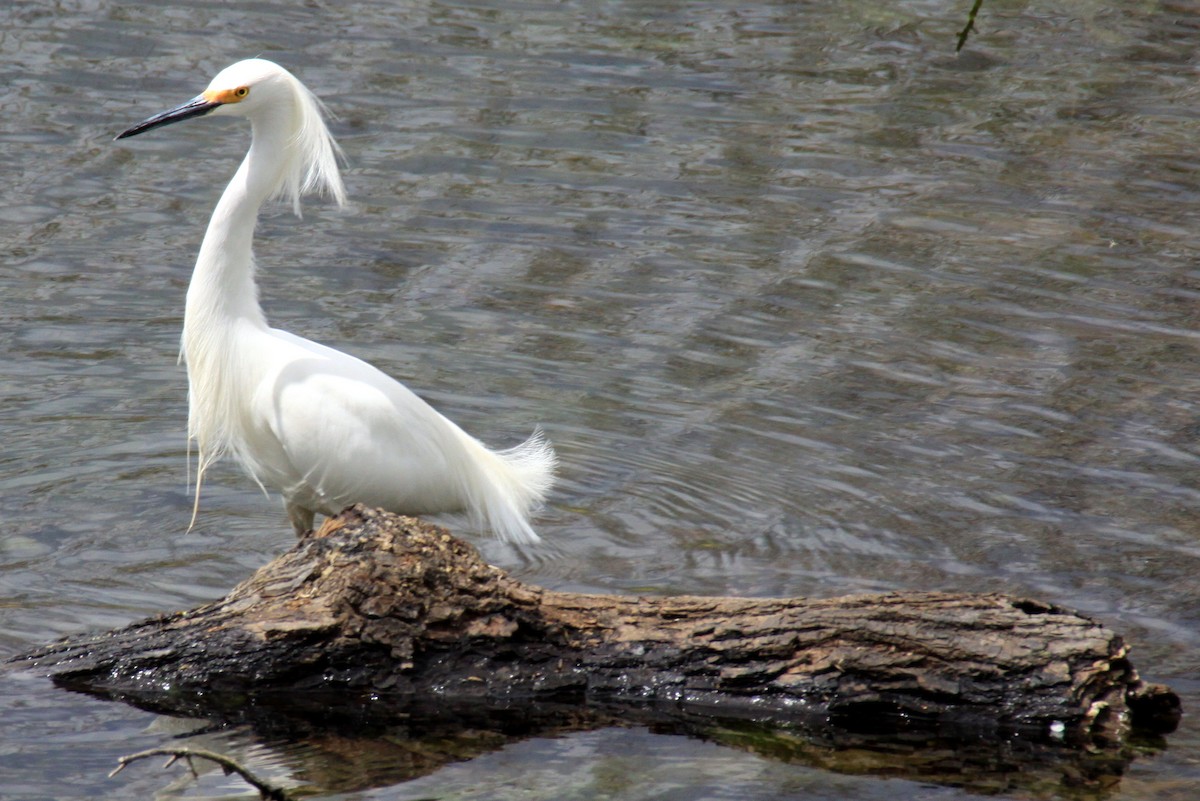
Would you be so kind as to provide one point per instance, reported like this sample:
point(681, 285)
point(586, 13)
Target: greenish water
point(807, 304)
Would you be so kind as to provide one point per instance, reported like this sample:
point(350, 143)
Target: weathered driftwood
point(375, 604)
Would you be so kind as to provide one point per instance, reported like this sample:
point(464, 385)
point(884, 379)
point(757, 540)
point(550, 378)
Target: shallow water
point(807, 304)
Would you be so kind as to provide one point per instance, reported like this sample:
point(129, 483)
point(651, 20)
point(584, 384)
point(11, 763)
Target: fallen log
point(376, 605)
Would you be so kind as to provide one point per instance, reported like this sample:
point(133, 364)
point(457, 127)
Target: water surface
point(807, 304)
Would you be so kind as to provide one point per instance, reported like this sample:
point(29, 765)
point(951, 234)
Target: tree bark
point(387, 606)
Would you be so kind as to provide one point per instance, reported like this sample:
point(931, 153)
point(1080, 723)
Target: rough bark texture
point(375, 603)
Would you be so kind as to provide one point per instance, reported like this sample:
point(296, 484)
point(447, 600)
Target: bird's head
point(242, 89)
point(265, 92)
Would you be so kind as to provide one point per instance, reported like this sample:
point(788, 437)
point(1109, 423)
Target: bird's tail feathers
point(507, 485)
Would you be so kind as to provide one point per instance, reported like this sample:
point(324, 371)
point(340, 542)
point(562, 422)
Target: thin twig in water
point(266, 790)
point(965, 32)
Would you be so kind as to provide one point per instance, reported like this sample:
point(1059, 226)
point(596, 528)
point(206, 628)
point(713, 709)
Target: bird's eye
point(241, 91)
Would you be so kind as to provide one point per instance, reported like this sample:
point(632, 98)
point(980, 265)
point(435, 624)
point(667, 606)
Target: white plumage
point(324, 428)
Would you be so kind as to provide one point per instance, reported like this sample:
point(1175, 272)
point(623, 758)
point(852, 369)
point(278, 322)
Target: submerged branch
point(266, 790)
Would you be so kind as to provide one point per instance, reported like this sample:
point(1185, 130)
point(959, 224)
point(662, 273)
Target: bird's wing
point(345, 432)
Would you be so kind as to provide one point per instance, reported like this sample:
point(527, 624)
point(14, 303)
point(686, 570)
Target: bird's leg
point(302, 519)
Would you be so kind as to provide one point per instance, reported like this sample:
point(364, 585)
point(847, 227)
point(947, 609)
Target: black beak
point(196, 107)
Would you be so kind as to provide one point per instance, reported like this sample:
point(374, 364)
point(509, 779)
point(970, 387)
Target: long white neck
point(222, 290)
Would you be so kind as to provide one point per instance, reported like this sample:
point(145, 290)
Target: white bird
point(323, 427)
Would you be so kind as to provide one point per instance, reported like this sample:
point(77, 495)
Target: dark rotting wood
point(378, 604)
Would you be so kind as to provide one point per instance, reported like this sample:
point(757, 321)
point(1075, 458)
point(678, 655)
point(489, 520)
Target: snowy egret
point(324, 428)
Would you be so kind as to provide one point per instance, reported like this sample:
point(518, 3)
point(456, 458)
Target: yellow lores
point(226, 95)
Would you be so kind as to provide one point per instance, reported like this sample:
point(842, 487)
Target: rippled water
point(807, 304)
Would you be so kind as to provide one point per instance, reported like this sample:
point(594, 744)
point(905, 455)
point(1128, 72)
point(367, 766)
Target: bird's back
point(330, 430)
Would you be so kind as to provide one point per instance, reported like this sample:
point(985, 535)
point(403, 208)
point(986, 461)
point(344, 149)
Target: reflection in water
point(807, 305)
point(336, 748)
